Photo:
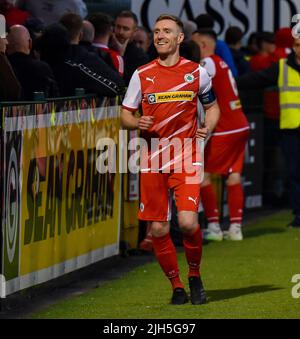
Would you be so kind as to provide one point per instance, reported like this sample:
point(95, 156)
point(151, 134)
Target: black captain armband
point(207, 98)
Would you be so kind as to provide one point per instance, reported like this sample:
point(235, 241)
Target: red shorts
point(156, 194)
point(224, 154)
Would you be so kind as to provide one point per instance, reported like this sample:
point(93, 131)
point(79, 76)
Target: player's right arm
point(130, 105)
point(129, 121)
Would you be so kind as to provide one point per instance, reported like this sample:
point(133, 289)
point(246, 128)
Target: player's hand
point(202, 133)
point(145, 123)
point(117, 46)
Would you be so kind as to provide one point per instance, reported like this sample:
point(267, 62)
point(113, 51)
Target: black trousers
point(290, 143)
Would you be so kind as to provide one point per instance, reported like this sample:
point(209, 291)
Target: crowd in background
point(55, 50)
point(71, 48)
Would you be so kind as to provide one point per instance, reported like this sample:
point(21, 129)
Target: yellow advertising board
point(69, 212)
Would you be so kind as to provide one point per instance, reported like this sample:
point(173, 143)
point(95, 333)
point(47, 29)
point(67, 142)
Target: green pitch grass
point(248, 279)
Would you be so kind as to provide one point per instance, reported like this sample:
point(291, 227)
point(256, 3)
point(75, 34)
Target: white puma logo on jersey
point(193, 200)
point(152, 80)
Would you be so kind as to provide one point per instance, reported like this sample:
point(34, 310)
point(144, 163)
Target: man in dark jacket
point(34, 75)
point(10, 88)
point(233, 38)
point(126, 24)
point(80, 55)
point(76, 70)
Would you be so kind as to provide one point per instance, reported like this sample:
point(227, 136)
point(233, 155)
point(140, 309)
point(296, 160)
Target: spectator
point(251, 48)
point(262, 60)
point(103, 24)
point(13, 15)
point(51, 11)
point(87, 36)
point(286, 75)
point(266, 47)
point(76, 71)
point(233, 38)
point(34, 75)
point(284, 44)
point(205, 21)
point(35, 27)
point(74, 24)
point(142, 38)
point(134, 57)
point(10, 88)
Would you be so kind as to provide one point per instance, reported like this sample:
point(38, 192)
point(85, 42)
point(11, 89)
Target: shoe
point(213, 232)
point(179, 297)
point(295, 223)
point(198, 295)
point(234, 233)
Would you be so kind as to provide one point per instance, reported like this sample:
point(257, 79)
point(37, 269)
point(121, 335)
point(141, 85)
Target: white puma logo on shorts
point(193, 200)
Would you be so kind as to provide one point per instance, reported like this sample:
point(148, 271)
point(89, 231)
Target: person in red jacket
point(13, 15)
point(266, 45)
point(284, 43)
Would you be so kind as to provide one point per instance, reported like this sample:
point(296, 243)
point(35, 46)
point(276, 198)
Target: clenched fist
point(145, 123)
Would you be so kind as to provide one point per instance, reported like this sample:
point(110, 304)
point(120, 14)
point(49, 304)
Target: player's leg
point(187, 200)
point(235, 193)
point(235, 196)
point(147, 243)
point(154, 208)
point(213, 231)
point(165, 252)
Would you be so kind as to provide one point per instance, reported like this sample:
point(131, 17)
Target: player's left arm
point(212, 115)
point(209, 102)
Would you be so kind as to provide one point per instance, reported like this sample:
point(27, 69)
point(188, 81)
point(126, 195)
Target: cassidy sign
point(249, 15)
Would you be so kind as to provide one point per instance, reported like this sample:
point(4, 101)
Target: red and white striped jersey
point(232, 119)
point(170, 95)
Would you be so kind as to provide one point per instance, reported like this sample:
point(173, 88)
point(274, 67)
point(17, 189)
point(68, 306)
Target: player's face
point(141, 39)
point(296, 48)
point(167, 37)
point(124, 29)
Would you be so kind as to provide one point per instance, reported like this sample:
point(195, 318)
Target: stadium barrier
point(58, 213)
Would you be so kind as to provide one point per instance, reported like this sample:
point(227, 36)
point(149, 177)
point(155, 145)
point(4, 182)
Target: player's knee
point(233, 179)
point(207, 180)
point(187, 224)
point(159, 229)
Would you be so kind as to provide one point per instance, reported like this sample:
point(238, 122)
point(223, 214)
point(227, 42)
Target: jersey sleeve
point(133, 96)
point(205, 81)
point(210, 66)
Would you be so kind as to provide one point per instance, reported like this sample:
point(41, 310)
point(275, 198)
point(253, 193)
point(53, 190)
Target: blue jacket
point(223, 51)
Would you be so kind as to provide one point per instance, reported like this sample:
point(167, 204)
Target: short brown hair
point(171, 17)
point(128, 14)
point(73, 23)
